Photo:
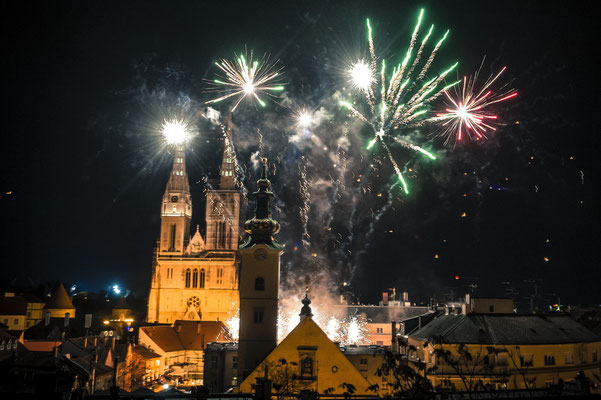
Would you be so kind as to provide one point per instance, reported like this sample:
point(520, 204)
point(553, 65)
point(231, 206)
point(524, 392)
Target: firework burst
point(175, 131)
point(466, 113)
point(398, 100)
point(246, 77)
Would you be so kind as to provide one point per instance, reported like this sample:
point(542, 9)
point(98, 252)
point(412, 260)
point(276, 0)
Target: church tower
point(259, 282)
point(176, 208)
point(223, 206)
point(195, 277)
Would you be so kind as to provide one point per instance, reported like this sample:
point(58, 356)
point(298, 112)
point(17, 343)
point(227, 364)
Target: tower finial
point(306, 310)
point(261, 226)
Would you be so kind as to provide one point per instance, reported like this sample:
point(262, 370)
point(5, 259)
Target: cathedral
point(196, 277)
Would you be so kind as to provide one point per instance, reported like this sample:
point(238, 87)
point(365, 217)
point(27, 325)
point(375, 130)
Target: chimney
point(46, 318)
point(419, 321)
point(66, 319)
point(198, 328)
point(384, 298)
point(113, 343)
point(85, 342)
point(178, 328)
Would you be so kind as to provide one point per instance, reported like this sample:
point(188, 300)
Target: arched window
point(259, 284)
point(188, 278)
point(201, 283)
point(195, 278)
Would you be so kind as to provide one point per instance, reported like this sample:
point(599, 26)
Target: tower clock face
point(260, 254)
point(174, 199)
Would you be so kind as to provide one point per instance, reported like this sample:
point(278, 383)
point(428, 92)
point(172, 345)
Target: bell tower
point(259, 282)
point(176, 207)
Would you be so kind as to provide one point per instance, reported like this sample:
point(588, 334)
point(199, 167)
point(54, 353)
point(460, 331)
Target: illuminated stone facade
point(195, 277)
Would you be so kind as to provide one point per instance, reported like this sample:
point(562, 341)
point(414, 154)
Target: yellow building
point(13, 311)
point(307, 360)
point(59, 305)
point(470, 351)
point(195, 277)
point(35, 310)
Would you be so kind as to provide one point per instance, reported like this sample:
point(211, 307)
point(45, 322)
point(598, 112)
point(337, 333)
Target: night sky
point(83, 169)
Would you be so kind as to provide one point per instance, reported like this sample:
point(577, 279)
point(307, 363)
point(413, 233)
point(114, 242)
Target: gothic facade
point(196, 277)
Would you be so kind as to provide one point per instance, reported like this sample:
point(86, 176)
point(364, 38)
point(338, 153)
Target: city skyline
point(84, 175)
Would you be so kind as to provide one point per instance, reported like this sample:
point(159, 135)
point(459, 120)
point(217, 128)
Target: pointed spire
point(227, 178)
point(262, 227)
point(59, 299)
point(178, 180)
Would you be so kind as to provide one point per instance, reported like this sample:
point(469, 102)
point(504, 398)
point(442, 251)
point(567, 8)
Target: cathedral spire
point(261, 226)
point(178, 180)
point(227, 178)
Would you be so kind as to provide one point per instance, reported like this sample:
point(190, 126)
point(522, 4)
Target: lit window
point(569, 359)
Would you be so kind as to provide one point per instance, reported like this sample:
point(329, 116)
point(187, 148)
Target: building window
point(260, 284)
point(172, 238)
point(188, 278)
point(549, 359)
point(569, 359)
point(307, 366)
point(527, 360)
point(258, 315)
point(195, 278)
point(235, 362)
point(594, 356)
point(363, 361)
point(491, 308)
point(201, 283)
point(16, 321)
point(214, 362)
point(219, 276)
point(379, 330)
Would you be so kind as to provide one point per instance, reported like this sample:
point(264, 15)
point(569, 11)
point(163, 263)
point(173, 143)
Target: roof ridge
point(455, 325)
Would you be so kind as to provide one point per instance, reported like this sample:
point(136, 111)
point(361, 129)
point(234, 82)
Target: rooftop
point(186, 335)
point(499, 329)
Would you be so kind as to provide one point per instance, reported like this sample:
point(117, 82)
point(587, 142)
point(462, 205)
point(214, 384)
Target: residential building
point(221, 366)
point(181, 346)
point(467, 351)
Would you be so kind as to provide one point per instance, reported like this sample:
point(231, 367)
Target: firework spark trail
point(389, 118)
point(466, 112)
point(242, 79)
point(260, 140)
point(306, 199)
